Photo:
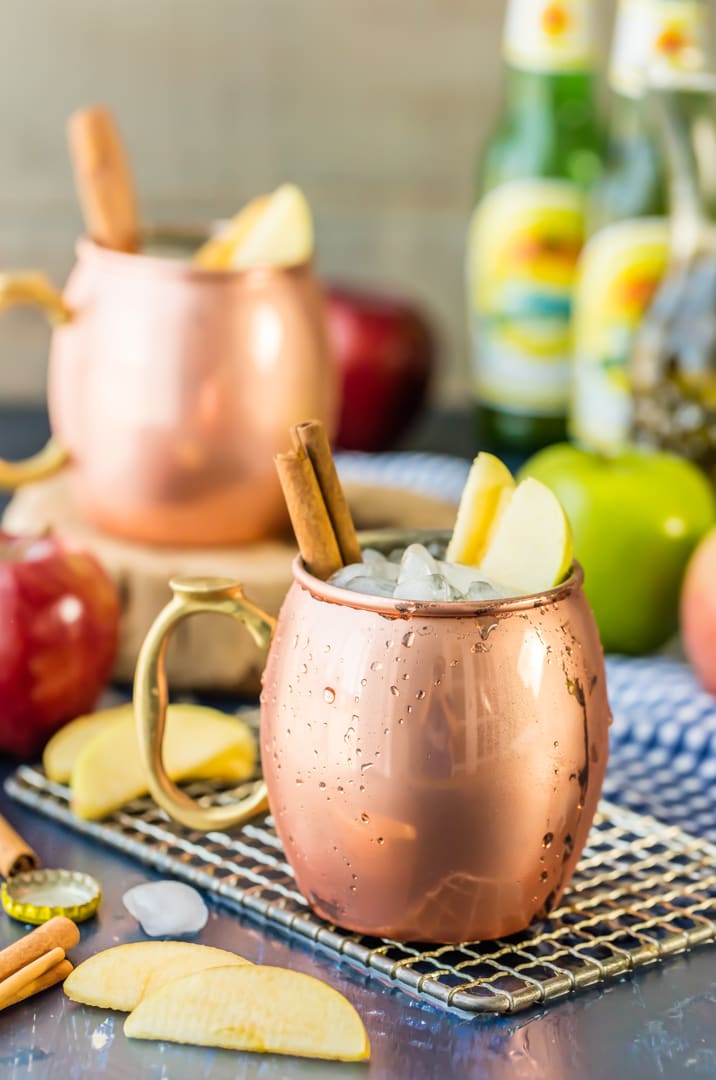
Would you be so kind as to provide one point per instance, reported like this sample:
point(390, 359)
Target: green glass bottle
point(528, 227)
point(673, 364)
point(627, 254)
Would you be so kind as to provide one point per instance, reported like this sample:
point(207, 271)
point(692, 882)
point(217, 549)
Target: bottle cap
point(39, 895)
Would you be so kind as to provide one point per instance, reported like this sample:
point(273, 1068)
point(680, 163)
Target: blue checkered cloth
point(663, 741)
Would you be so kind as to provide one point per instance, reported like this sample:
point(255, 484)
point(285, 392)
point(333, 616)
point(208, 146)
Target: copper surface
point(433, 770)
point(172, 388)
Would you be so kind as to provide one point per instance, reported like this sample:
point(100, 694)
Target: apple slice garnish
point(488, 489)
point(217, 253)
point(281, 234)
point(530, 547)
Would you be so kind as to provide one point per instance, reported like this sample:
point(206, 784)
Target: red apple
point(386, 353)
point(698, 611)
point(59, 627)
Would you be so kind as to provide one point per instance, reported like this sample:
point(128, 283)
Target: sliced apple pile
point(99, 754)
point(252, 1007)
point(272, 230)
point(119, 978)
point(518, 535)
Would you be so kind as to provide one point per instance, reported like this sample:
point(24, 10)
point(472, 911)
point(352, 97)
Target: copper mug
point(433, 769)
point(170, 389)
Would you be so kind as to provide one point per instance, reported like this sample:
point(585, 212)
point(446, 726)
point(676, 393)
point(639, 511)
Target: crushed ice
point(416, 573)
point(166, 907)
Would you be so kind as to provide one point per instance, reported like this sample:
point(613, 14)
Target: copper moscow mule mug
point(432, 768)
point(170, 389)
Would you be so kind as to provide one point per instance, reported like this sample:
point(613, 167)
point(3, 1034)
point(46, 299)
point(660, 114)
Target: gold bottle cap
point(39, 895)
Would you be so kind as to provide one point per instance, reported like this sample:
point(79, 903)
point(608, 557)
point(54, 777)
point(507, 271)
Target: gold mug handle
point(221, 596)
point(33, 287)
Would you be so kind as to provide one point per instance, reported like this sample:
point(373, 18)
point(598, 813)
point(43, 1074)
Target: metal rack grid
point(643, 892)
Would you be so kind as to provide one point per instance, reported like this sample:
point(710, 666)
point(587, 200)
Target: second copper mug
point(170, 389)
point(433, 769)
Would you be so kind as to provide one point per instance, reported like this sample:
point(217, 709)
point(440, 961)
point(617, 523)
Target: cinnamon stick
point(309, 516)
point(57, 932)
point(26, 976)
point(311, 436)
point(56, 974)
point(103, 179)
point(15, 855)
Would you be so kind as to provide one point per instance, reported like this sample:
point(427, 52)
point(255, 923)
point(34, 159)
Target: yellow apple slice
point(281, 235)
point(108, 771)
point(531, 547)
point(253, 1008)
point(216, 253)
point(489, 487)
point(119, 978)
point(66, 744)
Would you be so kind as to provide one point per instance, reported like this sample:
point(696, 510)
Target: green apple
point(636, 518)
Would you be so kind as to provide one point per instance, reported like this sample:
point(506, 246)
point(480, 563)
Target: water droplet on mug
point(329, 695)
point(350, 732)
point(304, 669)
point(394, 691)
point(364, 682)
point(420, 695)
point(408, 638)
point(406, 676)
point(381, 840)
point(386, 730)
point(362, 787)
point(353, 888)
point(295, 642)
point(543, 876)
point(389, 643)
point(547, 839)
point(409, 709)
point(263, 697)
point(340, 787)
point(487, 630)
point(326, 648)
point(368, 765)
point(376, 666)
point(555, 744)
point(299, 780)
point(364, 818)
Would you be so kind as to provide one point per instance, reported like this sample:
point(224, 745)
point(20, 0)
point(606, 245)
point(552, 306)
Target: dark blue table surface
point(659, 1023)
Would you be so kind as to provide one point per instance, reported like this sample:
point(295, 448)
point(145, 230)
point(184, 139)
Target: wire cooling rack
point(643, 892)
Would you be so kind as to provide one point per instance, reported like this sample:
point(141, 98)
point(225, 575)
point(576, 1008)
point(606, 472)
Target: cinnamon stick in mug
point(16, 856)
point(309, 515)
point(311, 436)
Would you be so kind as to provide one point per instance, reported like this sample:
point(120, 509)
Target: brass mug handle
point(33, 287)
point(222, 596)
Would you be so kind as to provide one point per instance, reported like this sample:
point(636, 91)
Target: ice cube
point(433, 587)
point(483, 590)
point(372, 586)
point(460, 577)
point(343, 577)
point(417, 562)
point(166, 907)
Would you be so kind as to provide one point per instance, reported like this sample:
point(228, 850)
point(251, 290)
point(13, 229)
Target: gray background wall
point(376, 107)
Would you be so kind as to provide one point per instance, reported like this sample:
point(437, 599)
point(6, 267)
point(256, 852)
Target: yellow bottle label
point(549, 35)
point(619, 273)
point(523, 246)
point(659, 38)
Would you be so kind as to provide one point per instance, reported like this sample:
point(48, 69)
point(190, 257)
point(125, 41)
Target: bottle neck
point(687, 122)
point(547, 92)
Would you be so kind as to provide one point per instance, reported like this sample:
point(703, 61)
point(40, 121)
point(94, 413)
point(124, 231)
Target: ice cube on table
point(416, 562)
point(431, 587)
point(166, 907)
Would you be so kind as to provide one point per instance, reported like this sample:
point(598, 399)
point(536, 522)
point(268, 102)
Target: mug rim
point(183, 269)
point(444, 609)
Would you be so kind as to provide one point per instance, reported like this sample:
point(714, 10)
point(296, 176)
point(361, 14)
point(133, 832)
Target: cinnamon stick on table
point(312, 438)
point(37, 961)
point(16, 856)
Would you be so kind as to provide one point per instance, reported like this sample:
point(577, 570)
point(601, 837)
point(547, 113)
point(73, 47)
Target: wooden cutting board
point(206, 652)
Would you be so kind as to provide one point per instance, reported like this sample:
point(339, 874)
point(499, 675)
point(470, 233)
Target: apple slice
point(280, 235)
point(216, 253)
point(66, 744)
point(119, 978)
point(489, 487)
point(253, 1008)
point(198, 742)
point(530, 549)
